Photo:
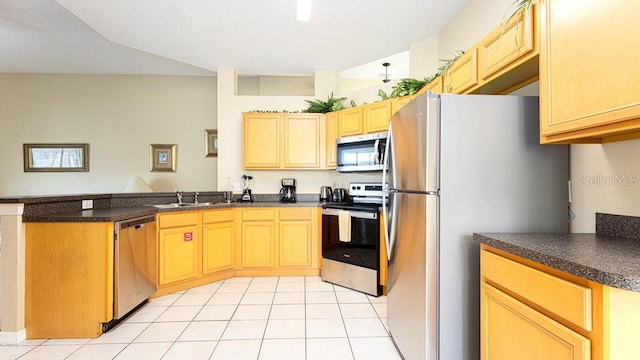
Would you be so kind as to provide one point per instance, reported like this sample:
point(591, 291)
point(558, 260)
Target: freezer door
point(412, 296)
point(413, 145)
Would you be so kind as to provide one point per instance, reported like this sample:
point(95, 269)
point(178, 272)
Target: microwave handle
point(376, 154)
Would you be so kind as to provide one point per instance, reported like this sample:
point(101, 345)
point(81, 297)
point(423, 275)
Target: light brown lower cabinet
point(531, 311)
point(68, 279)
point(199, 247)
point(512, 330)
point(218, 240)
point(180, 247)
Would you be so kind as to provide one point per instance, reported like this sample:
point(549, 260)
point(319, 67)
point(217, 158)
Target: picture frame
point(211, 143)
point(55, 157)
point(163, 157)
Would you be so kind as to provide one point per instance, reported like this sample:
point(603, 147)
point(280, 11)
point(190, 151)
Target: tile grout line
point(305, 287)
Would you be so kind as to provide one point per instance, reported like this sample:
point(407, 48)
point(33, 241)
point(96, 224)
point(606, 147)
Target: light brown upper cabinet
point(463, 74)
point(589, 78)
point(364, 119)
point(331, 134)
point(261, 140)
point(397, 103)
point(506, 44)
point(301, 141)
point(281, 141)
point(376, 116)
point(508, 56)
point(436, 86)
point(350, 122)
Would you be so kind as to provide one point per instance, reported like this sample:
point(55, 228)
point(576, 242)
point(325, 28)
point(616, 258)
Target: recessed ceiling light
point(304, 10)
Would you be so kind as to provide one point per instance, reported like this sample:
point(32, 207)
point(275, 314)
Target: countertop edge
point(125, 212)
point(621, 281)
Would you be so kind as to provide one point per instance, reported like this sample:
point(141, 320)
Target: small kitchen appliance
point(340, 195)
point(288, 190)
point(246, 192)
point(361, 153)
point(325, 193)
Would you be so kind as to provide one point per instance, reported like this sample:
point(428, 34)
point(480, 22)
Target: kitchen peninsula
point(69, 252)
point(562, 296)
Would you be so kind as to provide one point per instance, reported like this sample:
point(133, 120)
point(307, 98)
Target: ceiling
point(196, 37)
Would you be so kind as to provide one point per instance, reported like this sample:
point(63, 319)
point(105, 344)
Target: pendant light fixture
point(304, 10)
point(386, 73)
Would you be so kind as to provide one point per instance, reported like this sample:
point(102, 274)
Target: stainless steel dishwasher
point(134, 265)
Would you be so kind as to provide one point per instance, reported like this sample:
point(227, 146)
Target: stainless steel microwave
point(361, 152)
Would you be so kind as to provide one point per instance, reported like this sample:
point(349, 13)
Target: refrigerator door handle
point(389, 215)
point(392, 220)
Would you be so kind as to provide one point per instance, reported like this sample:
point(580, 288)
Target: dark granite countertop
point(128, 212)
point(608, 260)
point(93, 215)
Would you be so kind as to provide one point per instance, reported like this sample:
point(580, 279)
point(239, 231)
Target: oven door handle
point(353, 214)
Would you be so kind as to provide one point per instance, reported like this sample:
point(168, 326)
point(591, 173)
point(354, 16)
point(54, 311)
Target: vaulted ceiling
point(196, 37)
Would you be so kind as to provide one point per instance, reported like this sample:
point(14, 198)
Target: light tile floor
point(258, 318)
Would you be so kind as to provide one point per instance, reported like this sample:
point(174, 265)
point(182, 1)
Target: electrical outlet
point(239, 186)
point(87, 204)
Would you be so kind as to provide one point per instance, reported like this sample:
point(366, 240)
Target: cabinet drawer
point(258, 214)
point(569, 301)
point(178, 219)
point(295, 214)
point(214, 216)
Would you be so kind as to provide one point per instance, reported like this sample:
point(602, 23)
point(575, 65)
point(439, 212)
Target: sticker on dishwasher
point(188, 236)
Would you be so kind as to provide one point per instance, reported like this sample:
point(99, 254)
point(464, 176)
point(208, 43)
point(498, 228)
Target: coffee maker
point(288, 190)
point(246, 192)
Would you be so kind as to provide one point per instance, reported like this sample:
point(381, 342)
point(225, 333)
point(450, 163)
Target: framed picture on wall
point(56, 157)
point(163, 157)
point(211, 143)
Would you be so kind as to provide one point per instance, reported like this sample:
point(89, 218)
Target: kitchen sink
point(177, 205)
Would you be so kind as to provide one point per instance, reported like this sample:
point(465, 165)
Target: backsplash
point(619, 226)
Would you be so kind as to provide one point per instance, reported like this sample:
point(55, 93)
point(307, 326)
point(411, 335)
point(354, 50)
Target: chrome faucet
point(179, 195)
point(195, 198)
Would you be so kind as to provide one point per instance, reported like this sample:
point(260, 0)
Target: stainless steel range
point(351, 239)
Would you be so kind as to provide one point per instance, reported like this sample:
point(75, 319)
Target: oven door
point(363, 249)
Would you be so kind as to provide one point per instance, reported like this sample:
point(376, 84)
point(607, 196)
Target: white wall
point(423, 58)
point(474, 21)
point(604, 178)
point(119, 116)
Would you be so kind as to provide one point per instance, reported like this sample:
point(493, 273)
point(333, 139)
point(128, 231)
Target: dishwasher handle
point(137, 222)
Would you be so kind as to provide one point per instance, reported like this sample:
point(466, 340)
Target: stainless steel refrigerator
point(460, 164)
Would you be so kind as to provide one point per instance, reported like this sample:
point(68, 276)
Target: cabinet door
point(510, 329)
point(589, 83)
point(261, 141)
point(436, 86)
point(331, 132)
point(463, 74)
point(350, 122)
point(179, 254)
point(258, 242)
point(376, 116)
point(397, 103)
point(302, 141)
point(295, 243)
point(506, 44)
point(217, 247)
